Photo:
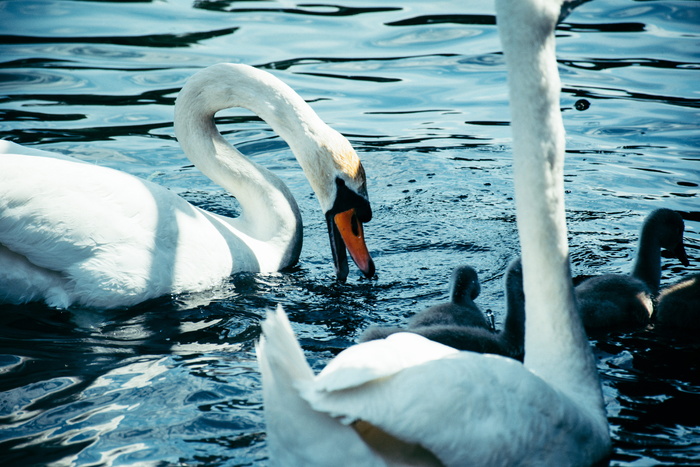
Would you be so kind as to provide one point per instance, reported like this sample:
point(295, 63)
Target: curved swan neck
point(268, 208)
point(226, 86)
point(556, 347)
point(318, 148)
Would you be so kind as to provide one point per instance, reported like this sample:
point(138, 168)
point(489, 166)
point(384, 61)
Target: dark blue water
point(419, 89)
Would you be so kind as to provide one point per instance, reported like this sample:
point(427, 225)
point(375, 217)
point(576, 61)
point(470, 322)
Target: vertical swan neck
point(556, 347)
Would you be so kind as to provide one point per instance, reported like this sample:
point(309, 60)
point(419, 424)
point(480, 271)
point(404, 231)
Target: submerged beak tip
point(341, 272)
point(369, 270)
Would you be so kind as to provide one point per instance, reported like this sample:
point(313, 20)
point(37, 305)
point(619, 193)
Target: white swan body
point(407, 399)
point(76, 233)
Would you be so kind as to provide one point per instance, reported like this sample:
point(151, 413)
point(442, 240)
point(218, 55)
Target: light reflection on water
point(419, 88)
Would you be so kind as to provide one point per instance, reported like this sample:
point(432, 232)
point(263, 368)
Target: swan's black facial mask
point(344, 220)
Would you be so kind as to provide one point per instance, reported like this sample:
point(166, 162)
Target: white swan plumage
point(73, 233)
point(405, 400)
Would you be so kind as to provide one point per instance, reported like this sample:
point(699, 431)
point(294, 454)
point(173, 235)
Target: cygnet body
point(625, 301)
point(678, 308)
point(462, 325)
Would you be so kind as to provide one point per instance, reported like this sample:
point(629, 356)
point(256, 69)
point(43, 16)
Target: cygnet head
point(513, 333)
point(465, 286)
point(445, 320)
point(461, 311)
point(667, 226)
point(514, 285)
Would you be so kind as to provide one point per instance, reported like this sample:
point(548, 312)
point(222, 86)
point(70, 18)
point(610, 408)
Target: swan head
point(343, 198)
point(465, 284)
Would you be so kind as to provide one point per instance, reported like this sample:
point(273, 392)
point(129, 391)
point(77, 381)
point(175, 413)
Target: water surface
point(419, 89)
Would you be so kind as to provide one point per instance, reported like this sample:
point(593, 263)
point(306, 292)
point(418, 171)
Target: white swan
point(406, 399)
point(76, 233)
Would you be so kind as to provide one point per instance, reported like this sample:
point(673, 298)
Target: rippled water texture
point(419, 89)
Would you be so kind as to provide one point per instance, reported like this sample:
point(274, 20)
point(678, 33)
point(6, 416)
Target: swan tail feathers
point(296, 433)
point(278, 350)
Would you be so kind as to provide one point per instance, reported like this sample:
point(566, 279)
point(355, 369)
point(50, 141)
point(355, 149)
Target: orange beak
point(350, 229)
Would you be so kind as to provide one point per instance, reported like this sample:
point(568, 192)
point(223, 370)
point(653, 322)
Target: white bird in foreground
point(73, 233)
point(405, 400)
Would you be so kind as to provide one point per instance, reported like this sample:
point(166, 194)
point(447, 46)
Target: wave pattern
point(419, 89)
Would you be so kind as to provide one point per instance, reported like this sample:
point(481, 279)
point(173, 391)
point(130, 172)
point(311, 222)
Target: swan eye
point(346, 198)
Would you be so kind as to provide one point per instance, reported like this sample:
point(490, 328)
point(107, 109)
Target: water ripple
point(420, 90)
